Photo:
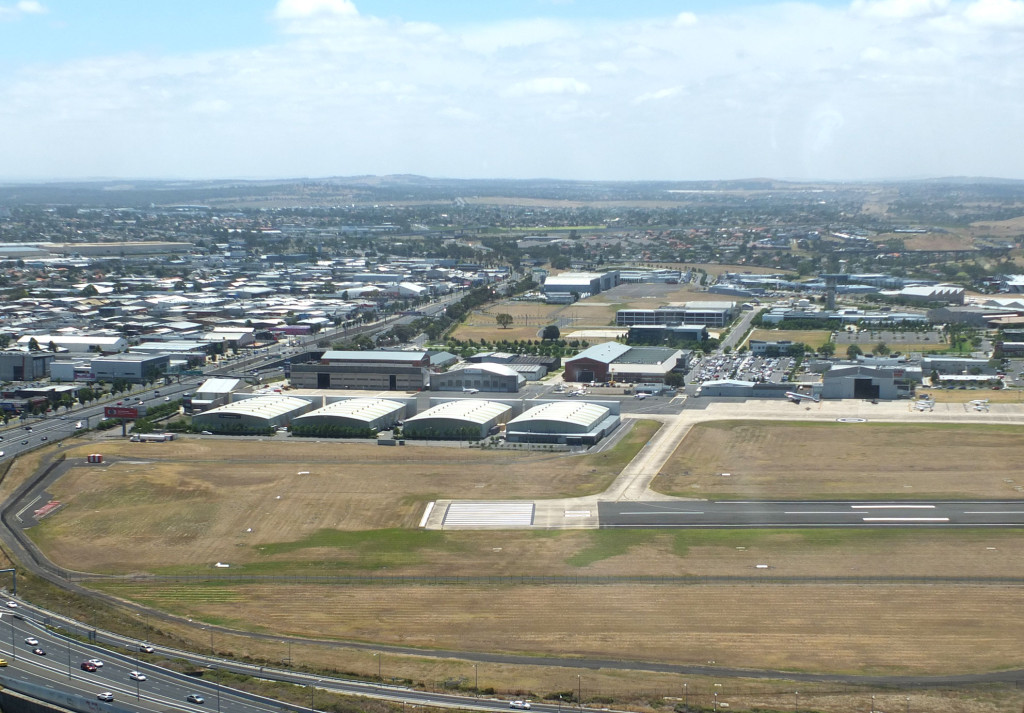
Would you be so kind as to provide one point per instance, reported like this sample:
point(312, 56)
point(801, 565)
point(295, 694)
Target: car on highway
point(12, 605)
point(96, 662)
point(38, 651)
point(32, 641)
point(3, 662)
point(195, 698)
point(88, 666)
point(44, 438)
point(136, 675)
point(105, 696)
point(520, 705)
point(24, 443)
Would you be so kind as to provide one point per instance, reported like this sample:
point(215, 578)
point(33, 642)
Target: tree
point(551, 332)
point(827, 349)
point(853, 351)
point(504, 320)
point(881, 349)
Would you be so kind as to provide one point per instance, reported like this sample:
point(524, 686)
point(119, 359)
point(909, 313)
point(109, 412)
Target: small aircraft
point(796, 397)
point(470, 391)
point(642, 395)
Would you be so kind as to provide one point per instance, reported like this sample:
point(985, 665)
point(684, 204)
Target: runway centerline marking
point(893, 507)
point(906, 519)
point(819, 512)
point(664, 512)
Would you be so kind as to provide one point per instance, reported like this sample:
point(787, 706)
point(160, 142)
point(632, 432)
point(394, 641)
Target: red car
point(88, 666)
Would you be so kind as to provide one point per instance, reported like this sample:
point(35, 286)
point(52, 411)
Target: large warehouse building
point(481, 377)
point(574, 423)
point(370, 370)
point(258, 414)
point(461, 419)
point(354, 418)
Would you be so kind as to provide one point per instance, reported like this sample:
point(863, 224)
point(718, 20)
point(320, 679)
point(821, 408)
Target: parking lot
point(743, 367)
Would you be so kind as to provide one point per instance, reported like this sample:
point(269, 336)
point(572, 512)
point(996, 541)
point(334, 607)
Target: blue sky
point(825, 89)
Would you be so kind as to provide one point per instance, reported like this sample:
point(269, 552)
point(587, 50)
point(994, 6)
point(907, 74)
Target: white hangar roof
point(580, 413)
point(357, 409)
point(471, 410)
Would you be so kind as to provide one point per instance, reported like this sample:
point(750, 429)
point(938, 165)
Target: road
point(798, 514)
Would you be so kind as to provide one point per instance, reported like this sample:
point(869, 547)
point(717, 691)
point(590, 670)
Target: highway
point(699, 514)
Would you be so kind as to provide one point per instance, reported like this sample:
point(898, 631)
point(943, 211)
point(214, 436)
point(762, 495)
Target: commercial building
point(570, 422)
point(480, 377)
point(212, 393)
point(708, 314)
point(258, 414)
point(460, 419)
point(370, 370)
point(350, 417)
point(663, 333)
point(581, 284)
point(594, 363)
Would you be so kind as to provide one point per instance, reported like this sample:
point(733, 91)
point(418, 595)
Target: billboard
point(120, 412)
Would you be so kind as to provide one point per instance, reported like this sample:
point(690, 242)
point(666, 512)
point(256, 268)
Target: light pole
point(579, 690)
point(138, 695)
point(796, 701)
point(872, 704)
point(908, 704)
point(379, 678)
point(312, 692)
point(686, 696)
point(476, 679)
point(716, 701)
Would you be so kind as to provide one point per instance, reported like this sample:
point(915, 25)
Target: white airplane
point(470, 391)
point(796, 397)
point(642, 396)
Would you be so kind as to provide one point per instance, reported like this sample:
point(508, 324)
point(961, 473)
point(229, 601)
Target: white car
point(136, 676)
point(521, 705)
point(96, 662)
point(32, 641)
point(12, 605)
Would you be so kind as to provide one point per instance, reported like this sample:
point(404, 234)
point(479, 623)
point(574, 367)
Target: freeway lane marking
point(993, 512)
point(664, 512)
point(819, 512)
point(905, 519)
point(893, 507)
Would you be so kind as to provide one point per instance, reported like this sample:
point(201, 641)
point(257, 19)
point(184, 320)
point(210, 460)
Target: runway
point(850, 513)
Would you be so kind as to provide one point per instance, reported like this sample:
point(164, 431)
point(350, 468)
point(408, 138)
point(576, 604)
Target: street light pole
point(796, 701)
point(476, 678)
point(579, 690)
point(686, 696)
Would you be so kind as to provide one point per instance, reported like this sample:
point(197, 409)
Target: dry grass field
point(170, 506)
point(811, 337)
point(887, 629)
point(852, 460)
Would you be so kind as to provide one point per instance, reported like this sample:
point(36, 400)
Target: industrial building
point(255, 415)
point(18, 365)
point(737, 388)
point(709, 314)
point(567, 286)
point(461, 419)
point(350, 417)
point(479, 377)
point(212, 393)
point(369, 370)
point(663, 333)
point(135, 368)
point(75, 344)
point(574, 423)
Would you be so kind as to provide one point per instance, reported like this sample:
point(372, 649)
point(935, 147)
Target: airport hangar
point(372, 370)
point(257, 414)
point(482, 377)
point(354, 416)
point(573, 423)
point(459, 419)
point(612, 361)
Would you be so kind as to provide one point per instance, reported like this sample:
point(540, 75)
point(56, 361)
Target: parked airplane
point(796, 397)
point(642, 396)
point(470, 391)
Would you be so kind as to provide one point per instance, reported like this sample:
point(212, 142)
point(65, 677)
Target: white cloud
point(685, 19)
point(302, 9)
point(792, 89)
point(547, 85)
point(22, 7)
point(996, 13)
point(899, 9)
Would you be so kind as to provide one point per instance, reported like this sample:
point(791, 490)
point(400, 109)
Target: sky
point(849, 90)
